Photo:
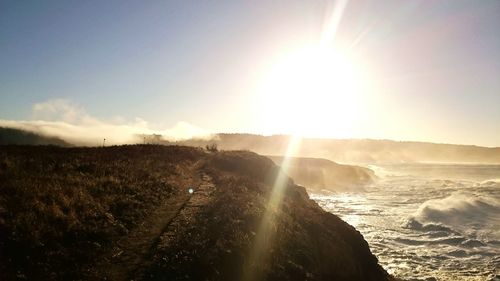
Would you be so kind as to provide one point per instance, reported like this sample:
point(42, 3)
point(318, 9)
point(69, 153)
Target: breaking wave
point(490, 183)
point(428, 222)
point(460, 209)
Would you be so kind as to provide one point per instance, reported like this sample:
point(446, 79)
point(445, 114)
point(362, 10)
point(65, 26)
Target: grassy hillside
point(20, 137)
point(317, 173)
point(121, 213)
point(60, 208)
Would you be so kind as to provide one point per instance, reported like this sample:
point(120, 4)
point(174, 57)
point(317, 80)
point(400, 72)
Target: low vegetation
point(21, 137)
point(62, 207)
point(306, 243)
point(63, 210)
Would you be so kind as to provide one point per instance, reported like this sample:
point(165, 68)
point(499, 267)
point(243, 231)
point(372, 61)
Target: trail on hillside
point(134, 252)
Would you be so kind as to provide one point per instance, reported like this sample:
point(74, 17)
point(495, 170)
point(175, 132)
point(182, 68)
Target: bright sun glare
point(314, 91)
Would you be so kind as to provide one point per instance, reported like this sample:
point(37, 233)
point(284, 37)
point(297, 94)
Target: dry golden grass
point(62, 207)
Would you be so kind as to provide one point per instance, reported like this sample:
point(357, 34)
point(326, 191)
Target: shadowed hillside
point(20, 137)
point(317, 173)
point(125, 212)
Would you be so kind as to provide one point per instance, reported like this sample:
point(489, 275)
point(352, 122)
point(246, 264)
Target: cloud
point(61, 110)
point(69, 121)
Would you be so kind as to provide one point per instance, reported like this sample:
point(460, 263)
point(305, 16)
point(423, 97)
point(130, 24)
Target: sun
point(312, 91)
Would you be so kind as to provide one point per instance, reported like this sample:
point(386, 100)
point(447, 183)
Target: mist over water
point(428, 220)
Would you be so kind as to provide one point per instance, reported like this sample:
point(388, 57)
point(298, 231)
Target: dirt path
point(133, 253)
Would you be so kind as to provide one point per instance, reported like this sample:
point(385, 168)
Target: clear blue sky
point(436, 63)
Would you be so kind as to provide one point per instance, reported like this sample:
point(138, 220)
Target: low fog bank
point(64, 120)
point(358, 151)
point(351, 151)
point(69, 123)
point(449, 172)
point(95, 134)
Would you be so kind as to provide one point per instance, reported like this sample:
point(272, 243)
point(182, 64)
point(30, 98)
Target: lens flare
point(299, 92)
point(265, 234)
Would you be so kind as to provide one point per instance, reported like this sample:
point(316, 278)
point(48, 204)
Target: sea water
point(428, 221)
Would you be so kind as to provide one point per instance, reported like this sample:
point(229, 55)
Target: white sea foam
point(459, 209)
point(424, 222)
point(489, 183)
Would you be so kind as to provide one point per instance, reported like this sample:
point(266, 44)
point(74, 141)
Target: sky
point(402, 70)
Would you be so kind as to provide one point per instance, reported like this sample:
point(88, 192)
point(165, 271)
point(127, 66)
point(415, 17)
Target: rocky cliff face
point(318, 173)
point(300, 240)
point(217, 216)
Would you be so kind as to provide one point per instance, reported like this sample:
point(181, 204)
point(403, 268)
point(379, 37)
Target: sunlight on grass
point(264, 237)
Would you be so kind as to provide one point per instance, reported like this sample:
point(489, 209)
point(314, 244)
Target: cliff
point(320, 174)
point(166, 213)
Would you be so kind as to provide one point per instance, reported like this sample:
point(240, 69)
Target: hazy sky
point(431, 69)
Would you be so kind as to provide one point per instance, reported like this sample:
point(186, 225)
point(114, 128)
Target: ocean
point(428, 221)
